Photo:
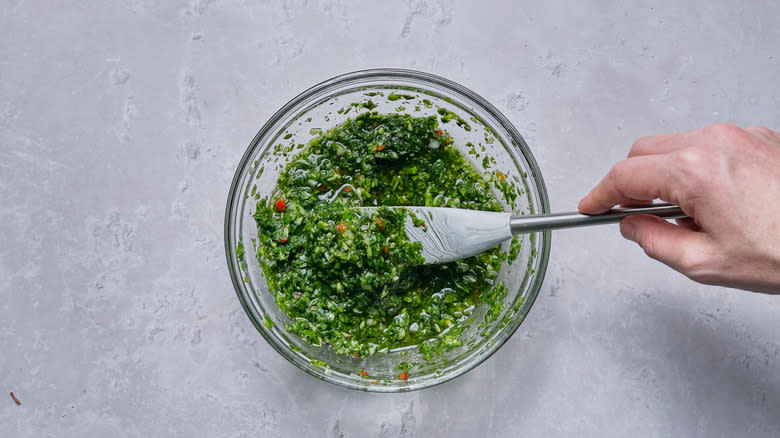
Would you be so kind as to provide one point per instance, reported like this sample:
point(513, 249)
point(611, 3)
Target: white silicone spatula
point(454, 233)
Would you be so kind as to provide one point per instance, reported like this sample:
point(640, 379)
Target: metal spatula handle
point(529, 224)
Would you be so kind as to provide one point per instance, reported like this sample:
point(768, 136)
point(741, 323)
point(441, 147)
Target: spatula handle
point(543, 222)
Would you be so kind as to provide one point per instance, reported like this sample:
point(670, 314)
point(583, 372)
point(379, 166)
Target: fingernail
point(628, 230)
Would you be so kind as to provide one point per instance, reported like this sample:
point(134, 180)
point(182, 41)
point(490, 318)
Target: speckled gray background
point(120, 126)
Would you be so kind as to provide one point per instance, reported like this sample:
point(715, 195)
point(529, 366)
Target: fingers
point(680, 248)
point(666, 143)
point(765, 134)
point(654, 144)
point(636, 179)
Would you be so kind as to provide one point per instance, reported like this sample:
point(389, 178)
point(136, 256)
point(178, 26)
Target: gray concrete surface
point(120, 126)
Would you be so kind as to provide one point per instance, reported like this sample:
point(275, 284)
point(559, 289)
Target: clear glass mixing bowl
point(323, 107)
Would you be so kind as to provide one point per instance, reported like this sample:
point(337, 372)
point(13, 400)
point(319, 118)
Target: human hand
point(727, 180)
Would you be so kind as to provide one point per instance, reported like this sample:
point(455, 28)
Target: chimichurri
point(351, 279)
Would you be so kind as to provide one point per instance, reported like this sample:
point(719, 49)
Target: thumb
point(682, 249)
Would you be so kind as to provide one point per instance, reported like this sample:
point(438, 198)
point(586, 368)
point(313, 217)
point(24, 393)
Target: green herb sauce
point(351, 279)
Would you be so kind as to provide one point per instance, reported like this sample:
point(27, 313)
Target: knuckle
point(617, 176)
point(704, 277)
point(690, 263)
point(649, 243)
point(698, 266)
point(691, 158)
point(619, 170)
point(641, 146)
point(650, 246)
point(724, 130)
point(695, 168)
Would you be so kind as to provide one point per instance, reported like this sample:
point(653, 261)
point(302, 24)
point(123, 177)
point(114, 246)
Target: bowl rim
point(383, 73)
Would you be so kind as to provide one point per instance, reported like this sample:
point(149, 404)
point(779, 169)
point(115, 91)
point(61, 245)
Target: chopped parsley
point(350, 278)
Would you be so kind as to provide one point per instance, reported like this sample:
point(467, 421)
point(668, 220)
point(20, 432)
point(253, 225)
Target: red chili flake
point(379, 148)
point(363, 373)
point(386, 249)
point(356, 354)
point(376, 124)
point(347, 189)
point(475, 294)
point(501, 176)
point(447, 141)
point(321, 187)
point(403, 375)
point(374, 382)
point(438, 132)
point(283, 240)
point(16, 400)
point(380, 224)
point(341, 227)
point(280, 204)
point(297, 295)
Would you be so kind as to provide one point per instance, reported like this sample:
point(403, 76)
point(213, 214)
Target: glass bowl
point(387, 91)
